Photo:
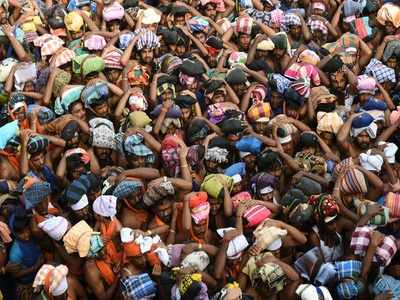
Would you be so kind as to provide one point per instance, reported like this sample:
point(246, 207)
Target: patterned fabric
point(37, 144)
point(95, 42)
point(62, 56)
point(112, 58)
point(138, 76)
point(389, 13)
point(92, 64)
point(309, 57)
point(94, 93)
point(34, 194)
point(272, 276)
point(325, 207)
point(328, 122)
point(61, 79)
point(392, 201)
point(290, 20)
point(115, 11)
point(170, 157)
point(258, 111)
point(54, 279)
point(73, 21)
point(302, 86)
point(353, 182)
point(134, 145)
point(302, 70)
point(364, 122)
point(102, 133)
point(381, 72)
point(385, 251)
point(148, 39)
point(244, 24)
point(105, 206)
point(137, 287)
point(127, 187)
point(125, 39)
point(386, 283)
point(317, 25)
point(48, 44)
point(198, 23)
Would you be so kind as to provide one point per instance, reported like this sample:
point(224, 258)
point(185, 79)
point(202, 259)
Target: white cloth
point(146, 242)
point(127, 235)
point(235, 246)
point(26, 72)
point(55, 227)
point(105, 206)
point(217, 154)
point(197, 259)
point(371, 129)
point(164, 257)
point(389, 151)
point(309, 292)
point(371, 162)
point(83, 202)
point(236, 178)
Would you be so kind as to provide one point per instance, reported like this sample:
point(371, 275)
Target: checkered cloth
point(290, 20)
point(386, 283)
point(385, 251)
point(317, 25)
point(148, 39)
point(36, 193)
point(134, 145)
point(138, 287)
point(244, 24)
point(348, 269)
point(127, 187)
point(381, 72)
point(62, 56)
point(48, 43)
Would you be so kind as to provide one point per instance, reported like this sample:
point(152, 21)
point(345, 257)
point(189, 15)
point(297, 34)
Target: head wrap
point(170, 156)
point(113, 12)
point(325, 207)
point(95, 42)
point(316, 25)
point(155, 193)
point(127, 187)
point(37, 144)
point(91, 64)
point(148, 39)
point(138, 287)
point(77, 239)
point(289, 20)
point(49, 44)
point(55, 227)
point(62, 79)
point(213, 185)
point(73, 21)
point(271, 275)
point(364, 122)
point(309, 56)
point(138, 76)
point(54, 279)
point(329, 122)
point(353, 182)
point(311, 163)
point(217, 154)
point(105, 206)
point(392, 48)
point(389, 151)
point(244, 25)
point(370, 161)
point(198, 23)
point(389, 12)
point(150, 16)
point(112, 58)
point(265, 45)
point(311, 292)
point(134, 145)
point(366, 84)
point(381, 72)
point(34, 191)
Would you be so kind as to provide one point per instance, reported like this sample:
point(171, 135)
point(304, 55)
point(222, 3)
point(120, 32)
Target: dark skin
point(95, 281)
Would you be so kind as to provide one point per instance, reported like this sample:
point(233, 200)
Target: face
point(29, 87)
point(237, 188)
point(186, 114)
point(167, 95)
point(276, 100)
point(218, 97)
point(42, 207)
point(134, 198)
point(363, 140)
point(244, 41)
point(180, 50)
point(102, 110)
point(295, 32)
point(146, 55)
point(102, 153)
point(338, 81)
point(20, 114)
point(278, 52)
point(76, 35)
point(179, 20)
point(3, 16)
point(277, 172)
point(392, 62)
point(319, 37)
point(328, 137)
point(201, 37)
point(83, 213)
point(288, 148)
point(151, 27)
point(363, 97)
point(38, 161)
point(389, 28)
point(200, 229)
point(261, 54)
point(114, 26)
point(137, 161)
point(268, 197)
point(240, 89)
point(24, 234)
point(209, 11)
point(113, 75)
point(76, 173)
point(261, 127)
point(250, 161)
point(78, 111)
point(164, 212)
point(138, 261)
point(215, 206)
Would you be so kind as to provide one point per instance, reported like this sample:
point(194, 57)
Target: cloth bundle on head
point(249, 144)
point(200, 212)
point(94, 93)
point(381, 72)
point(361, 27)
point(270, 275)
point(366, 84)
point(112, 58)
point(231, 126)
point(95, 42)
point(237, 58)
point(49, 44)
point(198, 259)
point(53, 279)
point(75, 193)
point(67, 97)
point(350, 270)
point(231, 291)
point(385, 251)
point(161, 89)
point(137, 101)
point(329, 122)
point(24, 73)
point(198, 23)
point(389, 150)
point(170, 156)
point(269, 237)
point(235, 246)
point(5, 68)
point(217, 154)
point(138, 287)
point(139, 119)
point(127, 187)
point(55, 227)
point(325, 207)
point(353, 7)
point(34, 191)
point(259, 112)
point(364, 122)
point(311, 163)
point(133, 145)
point(364, 206)
point(147, 39)
point(308, 186)
point(91, 64)
point(265, 45)
point(386, 283)
point(353, 182)
point(289, 20)
point(309, 57)
point(370, 161)
point(317, 25)
point(112, 12)
point(262, 183)
point(138, 75)
point(220, 5)
point(292, 198)
point(60, 81)
point(73, 21)
point(392, 49)
point(311, 292)
point(244, 25)
point(255, 214)
point(155, 193)
point(149, 16)
point(105, 206)
point(102, 133)
point(303, 71)
point(78, 238)
point(389, 12)
point(213, 185)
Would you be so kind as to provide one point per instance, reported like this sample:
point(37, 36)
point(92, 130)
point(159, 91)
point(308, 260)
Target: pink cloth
point(366, 84)
point(394, 116)
point(240, 197)
point(201, 212)
point(256, 214)
point(112, 12)
point(303, 70)
point(95, 42)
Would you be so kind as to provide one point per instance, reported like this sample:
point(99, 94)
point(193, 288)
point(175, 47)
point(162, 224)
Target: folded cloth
point(200, 213)
point(138, 287)
point(353, 7)
point(24, 73)
point(35, 193)
point(73, 21)
point(392, 201)
point(249, 144)
point(373, 104)
point(262, 183)
point(148, 39)
point(329, 122)
point(155, 193)
point(385, 251)
point(325, 207)
point(311, 292)
point(77, 239)
point(309, 57)
point(366, 84)
point(364, 122)
point(290, 19)
point(7, 132)
point(363, 208)
point(5, 68)
point(317, 25)
point(243, 24)
point(55, 227)
point(213, 185)
point(269, 237)
point(53, 279)
point(235, 246)
point(371, 162)
point(255, 215)
point(95, 42)
point(389, 12)
point(49, 44)
point(386, 283)
point(170, 156)
point(127, 187)
point(112, 58)
point(392, 48)
point(259, 112)
point(112, 12)
point(217, 154)
point(105, 206)
point(94, 93)
point(198, 23)
point(353, 182)
point(361, 27)
point(197, 259)
point(381, 72)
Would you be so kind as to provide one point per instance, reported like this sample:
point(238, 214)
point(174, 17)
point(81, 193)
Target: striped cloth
point(62, 56)
point(392, 201)
point(112, 58)
point(49, 44)
point(384, 252)
point(353, 182)
point(95, 42)
point(244, 24)
point(148, 39)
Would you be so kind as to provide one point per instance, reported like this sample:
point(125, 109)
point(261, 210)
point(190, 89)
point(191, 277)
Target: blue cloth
point(249, 144)
point(137, 287)
point(7, 132)
point(49, 176)
point(387, 283)
point(374, 104)
point(238, 168)
point(363, 120)
point(36, 193)
point(349, 269)
point(349, 290)
point(126, 188)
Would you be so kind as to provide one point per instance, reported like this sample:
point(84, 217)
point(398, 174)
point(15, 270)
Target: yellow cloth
point(73, 21)
point(389, 13)
point(31, 24)
point(77, 239)
point(329, 122)
point(265, 235)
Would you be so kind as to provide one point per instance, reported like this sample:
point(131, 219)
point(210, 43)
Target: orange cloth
point(158, 221)
point(132, 249)
point(152, 257)
point(140, 215)
point(197, 199)
point(112, 256)
point(12, 158)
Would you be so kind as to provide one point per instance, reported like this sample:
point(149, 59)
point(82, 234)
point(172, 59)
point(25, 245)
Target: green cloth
point(96, 244)
point(213, 185)
point(92, 64)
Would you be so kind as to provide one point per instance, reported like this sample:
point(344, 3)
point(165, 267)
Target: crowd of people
point(199, 149)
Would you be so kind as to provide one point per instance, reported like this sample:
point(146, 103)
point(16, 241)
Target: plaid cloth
point(349, 289)
point(385, 251)
point(112, 58)
point(134, 145)
point(62, 56)
point(290, 20)
point(381, 72)
point(127, 187)
point(348, 269)
point(138, 287)
point(386, 283)
point(317, 25)
point(244, 24)
point(305, 71)
point(50, 277)
point(36, 193)
point(148, 39)
point(361, 27)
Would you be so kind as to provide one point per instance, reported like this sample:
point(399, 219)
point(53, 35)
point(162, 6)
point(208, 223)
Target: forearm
point(127, 53)
point(24, 161)
point(61, 168)
point(386, 97)
point(153, 90)
point(257, 76)
point(228, 207)
point(18, 48)
point(33, 95)
point(151, 141)
point(365, 54)
point(159, 122)
point(49, 89)
point(181, 184)
point(220, 261)
point(186, 217)
point(120, 106)
point(185, 172)
point(367, 261)
point(143, 173)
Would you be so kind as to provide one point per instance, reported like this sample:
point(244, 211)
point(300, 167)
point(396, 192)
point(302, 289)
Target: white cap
point(262, 120)
point(83, 202)
point(266, 190)
point(126, 234)
point(236, 178)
